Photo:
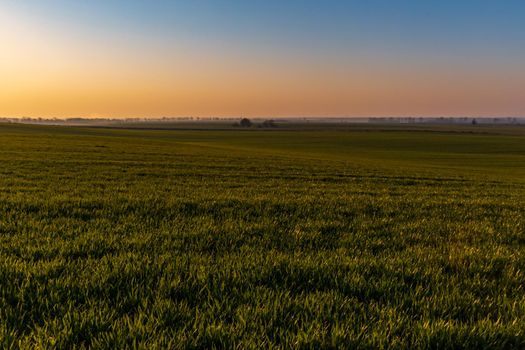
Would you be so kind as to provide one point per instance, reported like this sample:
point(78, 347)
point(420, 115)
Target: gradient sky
point(109, 58)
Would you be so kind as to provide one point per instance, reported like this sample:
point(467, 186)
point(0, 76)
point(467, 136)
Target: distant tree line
point(449, 120)
point(247, 123)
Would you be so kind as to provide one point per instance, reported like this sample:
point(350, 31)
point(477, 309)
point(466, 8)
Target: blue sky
point(479, 39)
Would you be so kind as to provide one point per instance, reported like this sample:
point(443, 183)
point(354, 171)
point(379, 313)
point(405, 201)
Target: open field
point(365, 237)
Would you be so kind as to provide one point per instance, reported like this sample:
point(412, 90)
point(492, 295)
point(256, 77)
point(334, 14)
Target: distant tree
point(269, 124)
point(474, 122)
point(245, 123)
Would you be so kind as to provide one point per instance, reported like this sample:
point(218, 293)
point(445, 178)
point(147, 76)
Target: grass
point(376, 238)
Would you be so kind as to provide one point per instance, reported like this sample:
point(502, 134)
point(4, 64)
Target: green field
point(357, 237)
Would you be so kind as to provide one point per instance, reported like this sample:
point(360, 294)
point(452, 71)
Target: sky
point(262, 58)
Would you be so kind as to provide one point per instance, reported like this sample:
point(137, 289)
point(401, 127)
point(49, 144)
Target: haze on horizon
point(262, 57)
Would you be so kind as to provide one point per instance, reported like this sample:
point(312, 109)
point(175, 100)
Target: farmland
point(365, 237)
